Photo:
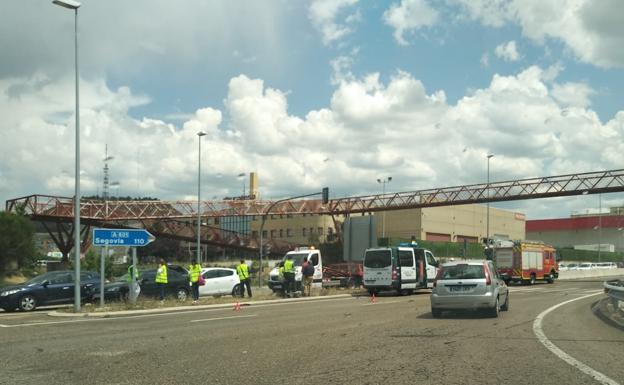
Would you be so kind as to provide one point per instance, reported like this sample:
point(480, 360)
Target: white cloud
point(409, 16)
point(533, 124)
point(485, 59)
point(507, 51)
point(594, 31)
point(323, 14)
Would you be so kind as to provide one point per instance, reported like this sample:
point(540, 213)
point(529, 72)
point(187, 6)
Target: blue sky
point(313, 93)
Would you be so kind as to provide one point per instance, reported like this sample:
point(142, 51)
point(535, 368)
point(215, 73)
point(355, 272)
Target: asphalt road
point(339, 341)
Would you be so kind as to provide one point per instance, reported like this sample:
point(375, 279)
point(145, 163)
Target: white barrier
point(574, 274)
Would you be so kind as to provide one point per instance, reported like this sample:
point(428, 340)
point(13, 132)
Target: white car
point(219, 281)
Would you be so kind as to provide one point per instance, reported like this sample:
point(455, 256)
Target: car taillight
point(394, 274)
point(438, 276)
point(488, 278)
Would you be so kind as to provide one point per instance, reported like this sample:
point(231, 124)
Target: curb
point(605, 316)
point(190, 307)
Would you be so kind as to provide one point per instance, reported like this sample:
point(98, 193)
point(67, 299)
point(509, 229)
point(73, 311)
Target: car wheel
point(494, 311)
point(505, 306)
point(436, 313)
point(27, 303)
point(236, 291)
point(532, 279)
point(182, 294)
point(551, 277)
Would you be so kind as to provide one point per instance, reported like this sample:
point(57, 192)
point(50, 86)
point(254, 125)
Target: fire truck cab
point(526, 261)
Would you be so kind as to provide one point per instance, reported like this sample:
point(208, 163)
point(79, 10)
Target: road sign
point(122, 237)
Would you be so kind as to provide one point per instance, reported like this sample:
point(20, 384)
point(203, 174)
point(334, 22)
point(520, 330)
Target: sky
point(311, 94)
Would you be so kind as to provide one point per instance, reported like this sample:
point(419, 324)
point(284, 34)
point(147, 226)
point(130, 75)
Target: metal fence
point(615, 290)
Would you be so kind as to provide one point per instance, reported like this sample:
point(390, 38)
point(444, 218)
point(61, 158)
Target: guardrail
point(615, 290)
point(593, 273)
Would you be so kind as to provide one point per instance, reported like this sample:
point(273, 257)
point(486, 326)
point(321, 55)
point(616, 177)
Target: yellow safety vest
point(194, 272)
point(281, 271)
point(130, 268)
point(161, 274)
point(243, 271)
point(289, 266)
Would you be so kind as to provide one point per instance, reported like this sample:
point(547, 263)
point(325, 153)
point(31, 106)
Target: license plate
point(459, 288)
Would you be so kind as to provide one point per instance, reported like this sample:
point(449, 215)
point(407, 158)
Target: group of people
point(287, 274)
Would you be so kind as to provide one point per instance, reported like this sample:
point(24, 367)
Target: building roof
point(575, 223)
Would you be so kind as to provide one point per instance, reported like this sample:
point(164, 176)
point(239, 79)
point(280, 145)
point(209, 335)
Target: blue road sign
point(121, 237)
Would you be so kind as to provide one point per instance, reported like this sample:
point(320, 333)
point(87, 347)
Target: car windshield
point(377, 259)
point(297, 258)
point(462, 271)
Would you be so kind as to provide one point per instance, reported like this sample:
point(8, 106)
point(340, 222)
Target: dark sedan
point(177, 286)
point(53, 288)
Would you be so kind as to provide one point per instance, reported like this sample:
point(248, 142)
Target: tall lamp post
point(74, 5)
point(199, 136)
point(487, 226)
point(383, 214)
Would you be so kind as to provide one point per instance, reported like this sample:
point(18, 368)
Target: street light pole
point(487, 231)
point(199, 136)
point(383, 213)
point(74, 5)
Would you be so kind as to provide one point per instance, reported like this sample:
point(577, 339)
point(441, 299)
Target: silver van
point(404, 269)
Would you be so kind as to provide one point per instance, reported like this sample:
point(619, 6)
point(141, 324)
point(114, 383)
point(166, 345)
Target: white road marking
point(539, 333)
point(164, 314)
point(381, 303)
point(220, 318)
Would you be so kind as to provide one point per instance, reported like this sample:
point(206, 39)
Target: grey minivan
point(469, 285)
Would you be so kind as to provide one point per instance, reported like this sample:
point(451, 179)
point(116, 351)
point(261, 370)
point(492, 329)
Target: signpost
point(121, 237)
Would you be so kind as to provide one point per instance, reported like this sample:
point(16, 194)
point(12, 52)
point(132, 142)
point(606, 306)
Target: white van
point(404, 268)
point(313, 256)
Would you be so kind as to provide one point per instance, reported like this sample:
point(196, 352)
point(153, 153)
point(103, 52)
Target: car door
point(211, 286)
point(225, 281)
point(148, 284)
point(408, 268)
point(60, 289)
point(432, 268)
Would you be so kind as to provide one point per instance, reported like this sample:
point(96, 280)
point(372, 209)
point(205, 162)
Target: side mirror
point(45, 283)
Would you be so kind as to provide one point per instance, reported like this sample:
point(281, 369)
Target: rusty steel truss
point(175, 218)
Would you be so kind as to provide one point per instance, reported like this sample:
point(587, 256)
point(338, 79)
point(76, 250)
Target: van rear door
point(378, 268)
point(407, 264)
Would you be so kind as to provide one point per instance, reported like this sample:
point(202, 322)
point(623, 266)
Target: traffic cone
point(373, 299)
point(237, 307)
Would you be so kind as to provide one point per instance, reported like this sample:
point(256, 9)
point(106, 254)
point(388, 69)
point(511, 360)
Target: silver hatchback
point(469, 285)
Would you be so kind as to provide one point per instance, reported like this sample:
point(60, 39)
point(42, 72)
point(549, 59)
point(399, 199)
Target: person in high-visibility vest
point(289, 275)
point(161, 278)
point(133, 275)
point(243, 275)
point(194, 273)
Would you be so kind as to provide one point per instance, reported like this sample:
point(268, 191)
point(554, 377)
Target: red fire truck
point(526, 261)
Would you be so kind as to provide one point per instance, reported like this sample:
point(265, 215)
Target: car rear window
point(378, 259)
point(462, 272)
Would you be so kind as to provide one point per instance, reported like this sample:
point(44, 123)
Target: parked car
point(586, 266)
point(572, 266)
point(469, 285)
point(220, 281)
point(177, 286)
point(53, 288)
point(606, 265)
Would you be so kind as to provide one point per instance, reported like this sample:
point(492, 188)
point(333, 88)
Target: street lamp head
point(69, 4)
point(378, 180)
point(389, 178)
point(242, 174)
point(490, 156)
point(201, 133)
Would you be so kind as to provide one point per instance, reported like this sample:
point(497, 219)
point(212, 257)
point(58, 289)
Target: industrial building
point(604, 232)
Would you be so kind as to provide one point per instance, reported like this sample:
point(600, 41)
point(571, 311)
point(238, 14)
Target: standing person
point(280, 271)
point(133, 275)
point(307, 270)
point(194, 273)
point(243, 275)
point(289, 275)
point(161, 278)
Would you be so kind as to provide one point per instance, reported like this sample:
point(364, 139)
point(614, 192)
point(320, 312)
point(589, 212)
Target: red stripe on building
point(577, 223)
